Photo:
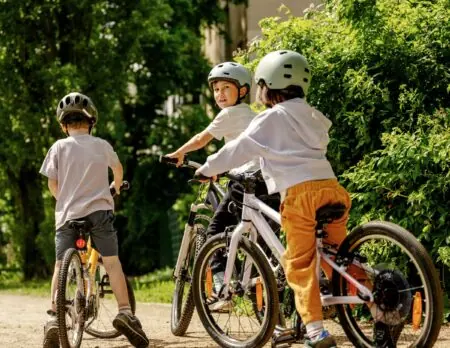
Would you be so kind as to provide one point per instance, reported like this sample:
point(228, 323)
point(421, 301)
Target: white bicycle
point(383, 286)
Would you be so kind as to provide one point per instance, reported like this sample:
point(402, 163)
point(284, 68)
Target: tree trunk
point(30, 216)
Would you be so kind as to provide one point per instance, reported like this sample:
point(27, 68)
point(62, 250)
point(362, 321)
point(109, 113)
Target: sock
point(125, 310)
point(314, 329)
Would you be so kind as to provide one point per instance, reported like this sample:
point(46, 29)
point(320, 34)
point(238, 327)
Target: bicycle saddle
point(330, 212)
point(80, 225)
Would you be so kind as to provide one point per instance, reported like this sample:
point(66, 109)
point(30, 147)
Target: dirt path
point(22, 318)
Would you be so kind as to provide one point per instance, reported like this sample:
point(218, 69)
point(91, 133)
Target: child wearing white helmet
point(290, 140)
point(77, 172)
point(230, 83)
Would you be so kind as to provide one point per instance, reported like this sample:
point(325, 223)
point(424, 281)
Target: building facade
point(242, 25)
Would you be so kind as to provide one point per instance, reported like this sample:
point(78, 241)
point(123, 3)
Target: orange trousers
point(298, 212)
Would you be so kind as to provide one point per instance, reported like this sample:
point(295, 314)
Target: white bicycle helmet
point(280, 69)
point(231, 71)
point(77, 102)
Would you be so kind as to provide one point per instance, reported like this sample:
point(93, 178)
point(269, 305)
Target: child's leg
point(54, 287)
point(300, 260)
point(117, 280)
point(104, 237)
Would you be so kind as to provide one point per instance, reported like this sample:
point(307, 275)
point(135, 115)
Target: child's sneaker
point(325, 340)
point(131, 328)
point(51, 335)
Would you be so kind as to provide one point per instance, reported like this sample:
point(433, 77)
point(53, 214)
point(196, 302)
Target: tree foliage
point(381, 73)
point(129, 57)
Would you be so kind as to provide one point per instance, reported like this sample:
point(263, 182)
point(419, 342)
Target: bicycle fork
point(185, 242)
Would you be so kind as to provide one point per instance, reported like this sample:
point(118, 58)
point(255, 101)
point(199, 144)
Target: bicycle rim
point(102, 307)
point(238, 325)
point(182, 301)
point(408, 307)
point(70, 300)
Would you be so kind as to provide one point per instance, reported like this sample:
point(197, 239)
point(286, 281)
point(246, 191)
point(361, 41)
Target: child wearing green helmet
point(290, 140)
point(77, 172)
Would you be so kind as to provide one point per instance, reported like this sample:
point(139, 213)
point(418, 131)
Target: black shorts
point(103, 235)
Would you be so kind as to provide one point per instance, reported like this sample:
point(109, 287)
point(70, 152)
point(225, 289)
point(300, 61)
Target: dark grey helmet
point(77, 102)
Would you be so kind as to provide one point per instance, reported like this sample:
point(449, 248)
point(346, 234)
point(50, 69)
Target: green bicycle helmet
point(280, 69)
point(77, 102)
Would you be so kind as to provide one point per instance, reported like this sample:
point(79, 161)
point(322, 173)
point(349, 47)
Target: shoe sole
point(52, 338)
point(135, 338)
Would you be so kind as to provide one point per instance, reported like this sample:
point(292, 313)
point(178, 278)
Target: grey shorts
point(103, 235)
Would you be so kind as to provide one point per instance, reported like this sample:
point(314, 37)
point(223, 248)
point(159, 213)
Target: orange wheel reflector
point(80, 243)
point(209, 282)
point(417, 311)
point(259, 294)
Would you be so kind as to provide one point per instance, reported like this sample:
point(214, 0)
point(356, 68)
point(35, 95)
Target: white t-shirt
point(229, 124)
point(80, 165)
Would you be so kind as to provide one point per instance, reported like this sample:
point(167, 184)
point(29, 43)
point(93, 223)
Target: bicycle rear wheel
point(238, 325)
point(102, 307)
point(70, 300)
point(407, 307)
point(182, 300)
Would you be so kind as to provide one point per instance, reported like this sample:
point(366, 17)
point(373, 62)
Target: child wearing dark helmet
point(290, 140)
point(77, 172)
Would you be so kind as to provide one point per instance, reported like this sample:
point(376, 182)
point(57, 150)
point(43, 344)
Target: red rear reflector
point(80, 243)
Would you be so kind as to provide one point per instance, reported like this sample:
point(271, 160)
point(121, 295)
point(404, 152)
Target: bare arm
point(118, 176)
point(53, 187)
point(197, 142)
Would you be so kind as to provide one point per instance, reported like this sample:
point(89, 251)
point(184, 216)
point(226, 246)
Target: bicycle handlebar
point(195, 165)
point(173, 161)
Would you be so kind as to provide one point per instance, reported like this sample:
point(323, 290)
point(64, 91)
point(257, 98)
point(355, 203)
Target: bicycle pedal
point(283, 337)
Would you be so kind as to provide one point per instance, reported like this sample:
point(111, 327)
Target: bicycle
point(194, 237)
point(83, 308)
point(382, 278)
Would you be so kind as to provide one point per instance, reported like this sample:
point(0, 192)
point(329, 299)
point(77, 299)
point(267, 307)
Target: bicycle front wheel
point(102, 306)
point(182, 301)
point(407, 307)
point(70, 300)
point(232, 321)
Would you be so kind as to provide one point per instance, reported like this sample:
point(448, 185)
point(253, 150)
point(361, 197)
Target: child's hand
point(200, 177)
point(116, 187)
point(178, 155)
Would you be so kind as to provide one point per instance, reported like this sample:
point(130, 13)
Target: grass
point(153, 287)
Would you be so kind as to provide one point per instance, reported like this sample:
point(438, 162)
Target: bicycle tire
point(71, 269)
point(266, 273)
point(181, 313)
point(109, 331)
point(401, 238)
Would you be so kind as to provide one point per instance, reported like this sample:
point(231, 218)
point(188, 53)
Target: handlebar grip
point(124, 187)
point(164, 159)
point(201, 177)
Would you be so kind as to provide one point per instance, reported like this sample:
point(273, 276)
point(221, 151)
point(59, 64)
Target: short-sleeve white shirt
point(229, 124)
point(80, 165)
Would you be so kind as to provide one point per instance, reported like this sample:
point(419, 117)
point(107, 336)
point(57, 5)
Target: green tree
point(128, 56)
